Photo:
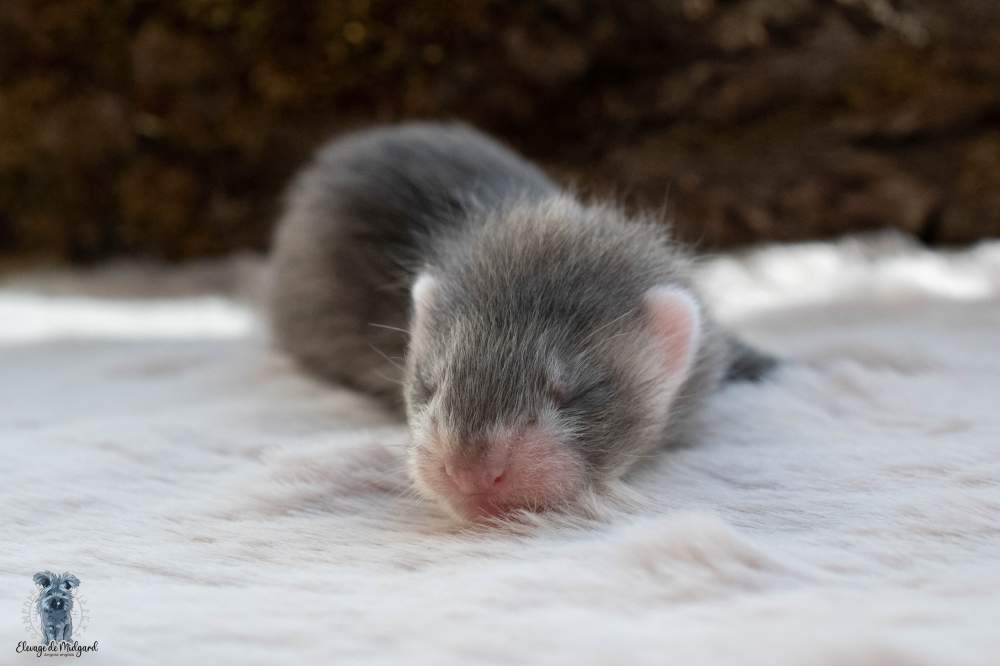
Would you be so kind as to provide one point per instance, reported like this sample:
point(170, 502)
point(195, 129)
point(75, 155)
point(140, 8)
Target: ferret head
point(529, 383)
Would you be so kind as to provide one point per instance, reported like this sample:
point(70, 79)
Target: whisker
point(600, 328)
point(389, 328)
point(381, 353)
point(391, 380)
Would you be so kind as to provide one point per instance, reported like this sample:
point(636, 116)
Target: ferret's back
point(418, 178)
point(359, 221)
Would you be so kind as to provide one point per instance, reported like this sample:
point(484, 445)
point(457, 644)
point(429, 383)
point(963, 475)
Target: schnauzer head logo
point(55, 605)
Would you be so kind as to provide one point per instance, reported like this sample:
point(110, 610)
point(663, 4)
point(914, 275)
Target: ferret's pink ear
point(675, 318)
point(422, 292)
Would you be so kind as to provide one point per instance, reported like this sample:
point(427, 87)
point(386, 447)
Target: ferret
point(540, 346)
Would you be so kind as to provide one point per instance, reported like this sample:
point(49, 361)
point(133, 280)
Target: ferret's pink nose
point(478, 478)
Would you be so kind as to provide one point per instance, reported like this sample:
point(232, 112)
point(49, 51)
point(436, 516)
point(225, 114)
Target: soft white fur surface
point(220, 508)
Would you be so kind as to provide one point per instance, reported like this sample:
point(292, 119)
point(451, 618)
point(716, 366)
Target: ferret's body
point(370, 212)
point(540, 345)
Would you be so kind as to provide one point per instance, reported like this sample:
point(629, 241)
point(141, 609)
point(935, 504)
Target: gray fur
point(359, 222)
point(55, 605)
point(527, 280)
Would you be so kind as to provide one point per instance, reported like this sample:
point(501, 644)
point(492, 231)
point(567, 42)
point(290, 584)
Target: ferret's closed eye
point(576, 397)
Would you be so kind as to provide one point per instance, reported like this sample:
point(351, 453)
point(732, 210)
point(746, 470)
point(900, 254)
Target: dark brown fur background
point(168, 129)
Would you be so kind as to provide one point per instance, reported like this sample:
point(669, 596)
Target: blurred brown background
point(168, 129)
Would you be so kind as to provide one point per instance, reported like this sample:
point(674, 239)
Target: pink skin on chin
point(530, 471)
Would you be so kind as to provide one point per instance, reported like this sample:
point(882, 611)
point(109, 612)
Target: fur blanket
point(218, 507)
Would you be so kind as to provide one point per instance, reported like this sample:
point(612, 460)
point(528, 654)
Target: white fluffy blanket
point(217, 507)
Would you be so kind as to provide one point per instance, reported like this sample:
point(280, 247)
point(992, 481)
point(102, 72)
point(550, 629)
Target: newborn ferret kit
point(540, 346)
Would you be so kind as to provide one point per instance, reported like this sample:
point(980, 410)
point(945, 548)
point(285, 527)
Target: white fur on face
point(542, 471)
point(423, 291)
point(421, 296)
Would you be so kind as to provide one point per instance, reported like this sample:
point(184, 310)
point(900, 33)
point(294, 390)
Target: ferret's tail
point(747, 364)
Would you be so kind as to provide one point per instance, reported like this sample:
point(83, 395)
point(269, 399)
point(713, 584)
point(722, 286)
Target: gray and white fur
point(537, 307)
